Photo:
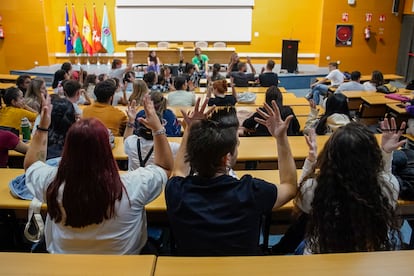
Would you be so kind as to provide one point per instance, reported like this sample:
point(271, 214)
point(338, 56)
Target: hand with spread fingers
point(313, 146)
point(152, 121)
point(273, 121)
point(199, 112)
point(45, 114)
point(391, 135)
point(132, 111)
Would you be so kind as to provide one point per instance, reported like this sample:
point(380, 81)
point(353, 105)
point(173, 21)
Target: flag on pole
point(87, 34)
point(68, 39)
point(106, 39)
point(96, 33)
point(76, 39)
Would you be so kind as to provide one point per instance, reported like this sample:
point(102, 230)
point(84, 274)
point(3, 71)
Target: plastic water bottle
point(25, 126)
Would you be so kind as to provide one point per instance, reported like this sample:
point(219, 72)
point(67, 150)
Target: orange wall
point(31, 28)
point(408, 7)
point(25, 35)
point(363, 56)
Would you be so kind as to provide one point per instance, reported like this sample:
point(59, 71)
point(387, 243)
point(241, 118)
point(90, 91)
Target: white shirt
point(336, 77)
point(118, 95)
point(181, 98)
point(125, 233)
point(350, 86)
point(130, 148)
point(369, 86)
point(390, 189)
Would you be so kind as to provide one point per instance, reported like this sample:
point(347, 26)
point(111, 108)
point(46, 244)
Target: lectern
point(290, 55)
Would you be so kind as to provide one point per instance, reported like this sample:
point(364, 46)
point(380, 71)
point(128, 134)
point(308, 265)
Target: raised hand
point(132, 111)
point(152, 121)
point(311, 142)
point(391, 135)
point(45, 114)
point(198, 113)
point(273, 121)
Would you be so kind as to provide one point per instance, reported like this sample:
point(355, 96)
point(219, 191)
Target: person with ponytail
point(219, 88)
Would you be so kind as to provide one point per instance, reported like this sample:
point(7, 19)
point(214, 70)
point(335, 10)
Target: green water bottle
point(25, 126)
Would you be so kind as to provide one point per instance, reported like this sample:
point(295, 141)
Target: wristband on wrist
point(158, 132)
point(42, 129)
point(130, 125)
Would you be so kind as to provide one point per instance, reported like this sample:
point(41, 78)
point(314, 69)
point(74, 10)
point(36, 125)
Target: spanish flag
point(87, 34)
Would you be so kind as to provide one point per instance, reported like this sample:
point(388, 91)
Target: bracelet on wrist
point(158, 132)
point(42, 129)
point(130, 125)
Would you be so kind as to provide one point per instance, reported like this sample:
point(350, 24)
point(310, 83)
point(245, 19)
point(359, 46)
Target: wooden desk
point(74, 264)
point(6, 85)
point(172, 56)
point(8, 78)
point(376, 263)
point(378, 100)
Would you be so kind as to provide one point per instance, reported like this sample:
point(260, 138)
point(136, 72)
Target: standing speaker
point(290, 55)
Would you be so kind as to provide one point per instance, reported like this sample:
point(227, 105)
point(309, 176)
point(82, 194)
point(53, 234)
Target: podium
point(290, 55)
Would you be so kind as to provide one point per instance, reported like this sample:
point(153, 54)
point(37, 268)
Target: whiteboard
point(221, 21)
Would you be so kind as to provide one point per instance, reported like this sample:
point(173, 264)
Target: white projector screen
point(175, 20)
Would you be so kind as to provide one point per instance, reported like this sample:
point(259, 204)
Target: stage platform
point(300, 80)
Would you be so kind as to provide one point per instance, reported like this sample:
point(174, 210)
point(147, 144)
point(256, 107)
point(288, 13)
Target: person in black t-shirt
point(212, 213)
point(253, 128)
point(219, 88)
point(241, 77)
point(268, 78)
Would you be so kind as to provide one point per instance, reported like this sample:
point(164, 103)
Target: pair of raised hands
point(390, 139)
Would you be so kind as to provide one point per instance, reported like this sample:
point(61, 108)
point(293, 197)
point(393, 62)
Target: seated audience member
point(117, 71)
point(60, 75)
point(139, 140)
point(219, 88)
point(139, 90)
point(349, 191)
point(22, 82)
point(336, 78)
point(253, 128)
point(9, 141)
point(151, 79)
point(153, 62)
point(170, 122)
point(210, 212)
point(233, 63)
point(15, 110)
point(73, 92)
point(268, 78)
point(336, 115)
point(201, 62)
point(89, 85)
point(120, 96)
point(63, 116)
point(92, 209)
point(353, 85)
point(102, 77)
point(190, 73)
point(67, 67)
point(215, 75)
point(181, 97)
point(241, 78)
point(110, 116)
point(128, 81)
point(35, 93)
point(377, 79)
point(165, 72)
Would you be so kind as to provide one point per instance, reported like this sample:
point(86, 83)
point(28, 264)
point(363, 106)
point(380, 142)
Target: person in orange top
point(15, 109)
point(113, 118)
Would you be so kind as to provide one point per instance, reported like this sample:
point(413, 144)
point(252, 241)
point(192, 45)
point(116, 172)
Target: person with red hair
point(92, 209)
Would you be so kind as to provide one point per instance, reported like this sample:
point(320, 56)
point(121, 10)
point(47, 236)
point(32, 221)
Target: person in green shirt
point(201, 62)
